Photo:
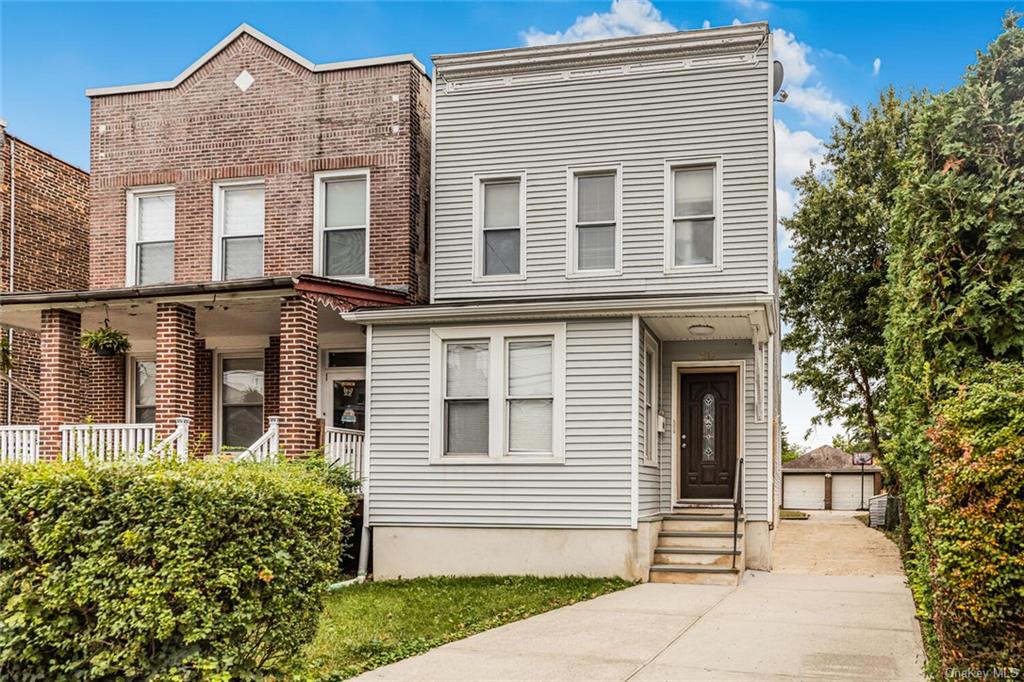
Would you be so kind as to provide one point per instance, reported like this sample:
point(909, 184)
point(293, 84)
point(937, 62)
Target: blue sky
point(837, 54)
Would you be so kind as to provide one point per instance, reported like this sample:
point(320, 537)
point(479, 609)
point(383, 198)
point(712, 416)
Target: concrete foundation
point(758, 545)
point(412, 551)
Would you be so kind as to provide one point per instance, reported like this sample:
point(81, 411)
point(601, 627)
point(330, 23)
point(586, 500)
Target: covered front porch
point(250, 369)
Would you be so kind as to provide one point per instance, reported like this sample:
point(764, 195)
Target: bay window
point(497, 393)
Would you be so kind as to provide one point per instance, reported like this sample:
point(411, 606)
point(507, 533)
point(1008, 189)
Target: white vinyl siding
point(637, 120)
point(754, 448)
point(589, 487)
point(342, 231)
point(150, 242)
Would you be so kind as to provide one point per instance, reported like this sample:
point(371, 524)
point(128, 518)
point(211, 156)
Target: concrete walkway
point(794, 625)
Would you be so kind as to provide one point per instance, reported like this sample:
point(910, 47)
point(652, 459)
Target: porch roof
point(22, 309)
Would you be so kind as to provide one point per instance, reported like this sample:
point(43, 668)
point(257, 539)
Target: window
point(343, 220)
point(238, 230)
point(594, 229)
point(693, 209)
point(241, 401)
point(142, 391)
point(500, 217)
point(150, 257)
point(649, 400)
point(497, 393)
point(340, 358)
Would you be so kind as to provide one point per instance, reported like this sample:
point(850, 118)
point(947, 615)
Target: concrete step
point(685, 556)
point(721, 525)
point(664, 573)
point(711, 540)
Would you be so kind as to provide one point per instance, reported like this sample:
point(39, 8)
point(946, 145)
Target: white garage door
point(846, 490)
point(803, 491)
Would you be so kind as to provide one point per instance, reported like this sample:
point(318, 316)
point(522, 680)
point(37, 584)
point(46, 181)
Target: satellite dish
point(778, 73)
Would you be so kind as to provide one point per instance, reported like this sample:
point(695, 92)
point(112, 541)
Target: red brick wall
point(51, 211)
point(298, 376)
point(288, 125)
point(104, 378)
point(175, 365)
point(60, 380)
point(201, 434)
point(271, 380)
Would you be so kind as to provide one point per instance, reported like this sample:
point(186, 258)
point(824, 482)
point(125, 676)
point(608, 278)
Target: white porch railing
point(113, 442)
point(344, 447)
point(19, 444)
point(267, 447)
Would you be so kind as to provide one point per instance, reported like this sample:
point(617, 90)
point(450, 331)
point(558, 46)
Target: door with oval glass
point(708, 435)
point(344, 399)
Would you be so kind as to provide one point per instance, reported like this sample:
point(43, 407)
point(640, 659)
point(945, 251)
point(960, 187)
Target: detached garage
point(826, 478)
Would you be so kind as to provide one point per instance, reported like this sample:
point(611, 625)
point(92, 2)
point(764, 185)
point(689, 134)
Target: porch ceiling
point(694, 326)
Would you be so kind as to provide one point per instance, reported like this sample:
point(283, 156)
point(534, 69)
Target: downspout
point(10, 285)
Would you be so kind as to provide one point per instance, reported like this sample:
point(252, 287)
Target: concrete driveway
point(802, 622)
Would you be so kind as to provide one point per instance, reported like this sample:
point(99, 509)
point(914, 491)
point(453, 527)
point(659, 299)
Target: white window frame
point(572, 270)
point(320, 181)
point(714, 163)
point(497, 382)
point(650, 407)
point(132, 197)
point(219, 188)
point(479, 180)
point(218, 381)
point(129, 385)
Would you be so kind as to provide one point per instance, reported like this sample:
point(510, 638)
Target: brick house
point(44, 244)
point(236, 211)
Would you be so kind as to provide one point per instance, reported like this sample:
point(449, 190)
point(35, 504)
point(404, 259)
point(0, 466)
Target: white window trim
point(498, 337)
point(129, 384)
point(319, 212)
point(479, 180)
point(650, 455)
point(218, 220)
point(218, 379)
point(672, 165)
point(132, 196)
point(571, 269)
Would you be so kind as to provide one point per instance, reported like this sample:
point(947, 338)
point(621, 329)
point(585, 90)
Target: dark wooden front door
point(707, 445)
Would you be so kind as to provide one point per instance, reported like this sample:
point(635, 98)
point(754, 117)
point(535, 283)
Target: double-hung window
point(594, 224)
point(150, 257)
point(343, 224)
point(500, 233)
point(238, 230)
point(650, 402)
point(694, 220)
point(497, 393)
point(241, 401)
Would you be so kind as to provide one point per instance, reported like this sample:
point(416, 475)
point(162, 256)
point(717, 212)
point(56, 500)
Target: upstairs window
point(238, 230)
point(693, 231)
point(500, 230)
point(150, 257)
point(343, 221)
point(595, 222)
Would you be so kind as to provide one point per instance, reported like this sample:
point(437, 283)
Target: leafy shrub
point(162, 571)
point(975, 521)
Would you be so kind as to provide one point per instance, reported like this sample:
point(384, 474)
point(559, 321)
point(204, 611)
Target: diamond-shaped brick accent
point(244, 81)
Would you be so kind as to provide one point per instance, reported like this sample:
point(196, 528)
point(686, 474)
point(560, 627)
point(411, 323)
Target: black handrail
point(737, 507)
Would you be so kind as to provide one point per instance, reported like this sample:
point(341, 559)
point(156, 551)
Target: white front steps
point(695, 545)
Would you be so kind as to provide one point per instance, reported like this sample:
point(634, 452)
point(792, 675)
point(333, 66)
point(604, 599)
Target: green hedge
point(162, 571)
point(974, 522)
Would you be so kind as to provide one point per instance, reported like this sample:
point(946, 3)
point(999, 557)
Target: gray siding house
point(594, 387)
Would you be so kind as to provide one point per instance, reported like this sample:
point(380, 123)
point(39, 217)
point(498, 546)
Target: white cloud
point(625, 18)
point(794, 151)
point(876, 66)
point(812, 100)
point(758, 5)
point(706, 24)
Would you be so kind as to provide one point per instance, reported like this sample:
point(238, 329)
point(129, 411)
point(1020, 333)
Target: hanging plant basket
point(106, 342)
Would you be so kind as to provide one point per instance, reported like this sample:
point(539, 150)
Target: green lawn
point(373, 624)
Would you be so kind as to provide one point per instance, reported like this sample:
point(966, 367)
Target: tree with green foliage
point(834, 296)
point(956, 292)
point(790, 450)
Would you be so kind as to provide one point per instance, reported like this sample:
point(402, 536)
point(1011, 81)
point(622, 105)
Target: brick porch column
point(175, 365)
point(298, 376)
point(60, 377)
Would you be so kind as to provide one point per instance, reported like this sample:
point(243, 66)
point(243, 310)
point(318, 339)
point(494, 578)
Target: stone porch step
point(703, 575)
point(683, 556)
